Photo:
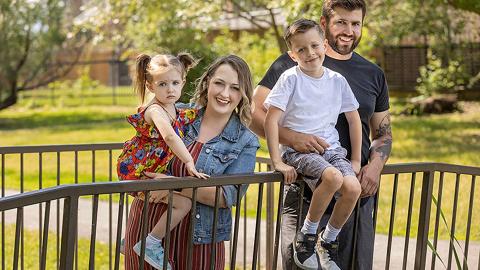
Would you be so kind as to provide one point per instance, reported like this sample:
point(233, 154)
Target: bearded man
point(342, 22)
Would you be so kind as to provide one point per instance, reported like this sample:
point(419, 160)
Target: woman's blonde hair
point(147, 66)
point(244, 80)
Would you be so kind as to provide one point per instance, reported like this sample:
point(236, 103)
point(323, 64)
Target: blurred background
point(76, 40)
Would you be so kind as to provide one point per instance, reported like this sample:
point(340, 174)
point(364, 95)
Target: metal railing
point(70, 195)
point(90, 163)
point(433, 174)
point(438, 211)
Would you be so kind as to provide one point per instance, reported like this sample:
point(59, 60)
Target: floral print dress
point(147, 151)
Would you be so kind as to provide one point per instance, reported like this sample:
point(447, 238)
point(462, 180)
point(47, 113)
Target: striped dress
point(178, 251)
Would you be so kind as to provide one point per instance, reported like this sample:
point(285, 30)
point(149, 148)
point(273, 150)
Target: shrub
point(437, 79)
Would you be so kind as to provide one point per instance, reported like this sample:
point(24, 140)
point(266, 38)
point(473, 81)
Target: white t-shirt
point(312, 105)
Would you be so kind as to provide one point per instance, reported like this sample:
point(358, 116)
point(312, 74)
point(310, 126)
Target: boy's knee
point(333, 178)
point(352, 187)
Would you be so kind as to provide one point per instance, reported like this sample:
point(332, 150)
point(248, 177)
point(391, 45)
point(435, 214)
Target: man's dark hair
point(300, 26)
point(330, 5)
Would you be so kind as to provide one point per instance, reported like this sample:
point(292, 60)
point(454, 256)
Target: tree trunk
point(9, 101)
point(278, 36)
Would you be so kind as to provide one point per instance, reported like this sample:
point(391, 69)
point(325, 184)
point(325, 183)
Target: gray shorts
point(312, 165)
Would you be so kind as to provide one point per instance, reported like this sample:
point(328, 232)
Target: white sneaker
point(153, 255)
point(327, 253)
point(304, 251)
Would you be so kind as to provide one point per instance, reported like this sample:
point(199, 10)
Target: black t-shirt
point(368, 84)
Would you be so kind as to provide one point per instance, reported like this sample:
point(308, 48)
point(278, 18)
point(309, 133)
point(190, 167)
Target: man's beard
point(343, 50)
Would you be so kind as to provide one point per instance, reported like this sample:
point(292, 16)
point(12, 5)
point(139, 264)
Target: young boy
point(308, 98)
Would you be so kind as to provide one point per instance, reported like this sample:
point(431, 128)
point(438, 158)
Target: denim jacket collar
point(231, 132)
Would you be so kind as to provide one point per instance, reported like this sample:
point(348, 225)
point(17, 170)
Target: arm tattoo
point(384, 132)
point(385, 149)
point(384, 128)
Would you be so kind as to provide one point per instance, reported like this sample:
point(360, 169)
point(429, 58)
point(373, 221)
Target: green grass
point(452, 138)
point(73, 96)
point(31, 251)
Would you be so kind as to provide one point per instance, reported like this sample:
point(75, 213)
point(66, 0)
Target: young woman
point(220, 143)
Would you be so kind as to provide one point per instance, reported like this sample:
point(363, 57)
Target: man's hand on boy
point(308, 143)
point(289, 172)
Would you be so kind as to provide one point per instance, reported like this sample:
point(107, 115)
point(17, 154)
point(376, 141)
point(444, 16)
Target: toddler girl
point(159, 127)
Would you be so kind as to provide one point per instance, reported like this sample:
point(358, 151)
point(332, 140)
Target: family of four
point(323, 110)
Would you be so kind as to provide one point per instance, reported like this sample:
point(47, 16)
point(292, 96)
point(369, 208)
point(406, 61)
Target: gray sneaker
point(153, 255)
point(304, 251)
point(327, 254)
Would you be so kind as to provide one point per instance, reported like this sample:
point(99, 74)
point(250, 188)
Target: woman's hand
point(289, 172)
point(192, 171)
point(156, 196)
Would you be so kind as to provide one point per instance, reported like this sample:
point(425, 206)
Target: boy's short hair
point(300, 26)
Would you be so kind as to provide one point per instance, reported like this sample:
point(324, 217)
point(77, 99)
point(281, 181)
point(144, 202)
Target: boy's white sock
point(309, 227)
point(152, 240)
point(330, 233)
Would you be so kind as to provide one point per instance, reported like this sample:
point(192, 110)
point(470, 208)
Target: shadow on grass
point(437, 123)
point(62, 120)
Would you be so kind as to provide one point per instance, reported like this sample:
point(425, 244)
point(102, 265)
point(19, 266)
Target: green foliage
point(259, 51)
point(32, 32)
point(311, 9)
point(84, 82)
point(454, 241)
point(132, 27)
point(433, 23)
point(469, 5)
point(390, 21)
point(435, 79)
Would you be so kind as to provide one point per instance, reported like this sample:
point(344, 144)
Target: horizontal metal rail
point(430, 166)
point(76, 190)
point(58, 148)
point(71, 194)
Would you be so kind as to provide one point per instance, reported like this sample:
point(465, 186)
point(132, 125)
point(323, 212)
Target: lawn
point(451, 138)
point(31, 255)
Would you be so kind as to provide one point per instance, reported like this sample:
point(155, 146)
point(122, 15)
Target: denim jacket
point(231, 152)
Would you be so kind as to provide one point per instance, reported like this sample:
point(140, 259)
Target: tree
point(434, 23)
point(32, 35)
point(130, 27)
point(472, 6)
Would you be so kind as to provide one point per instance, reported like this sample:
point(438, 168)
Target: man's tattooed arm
point(381, 137)
point(380, 149)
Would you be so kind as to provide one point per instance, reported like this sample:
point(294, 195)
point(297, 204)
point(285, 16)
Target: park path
point(84, 228)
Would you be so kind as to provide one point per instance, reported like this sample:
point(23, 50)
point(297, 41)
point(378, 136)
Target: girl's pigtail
point(141, 67)
point(187, 61)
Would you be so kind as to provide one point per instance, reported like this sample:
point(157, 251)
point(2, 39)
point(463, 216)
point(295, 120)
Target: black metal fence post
point(424, 219)
point(69, 232)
